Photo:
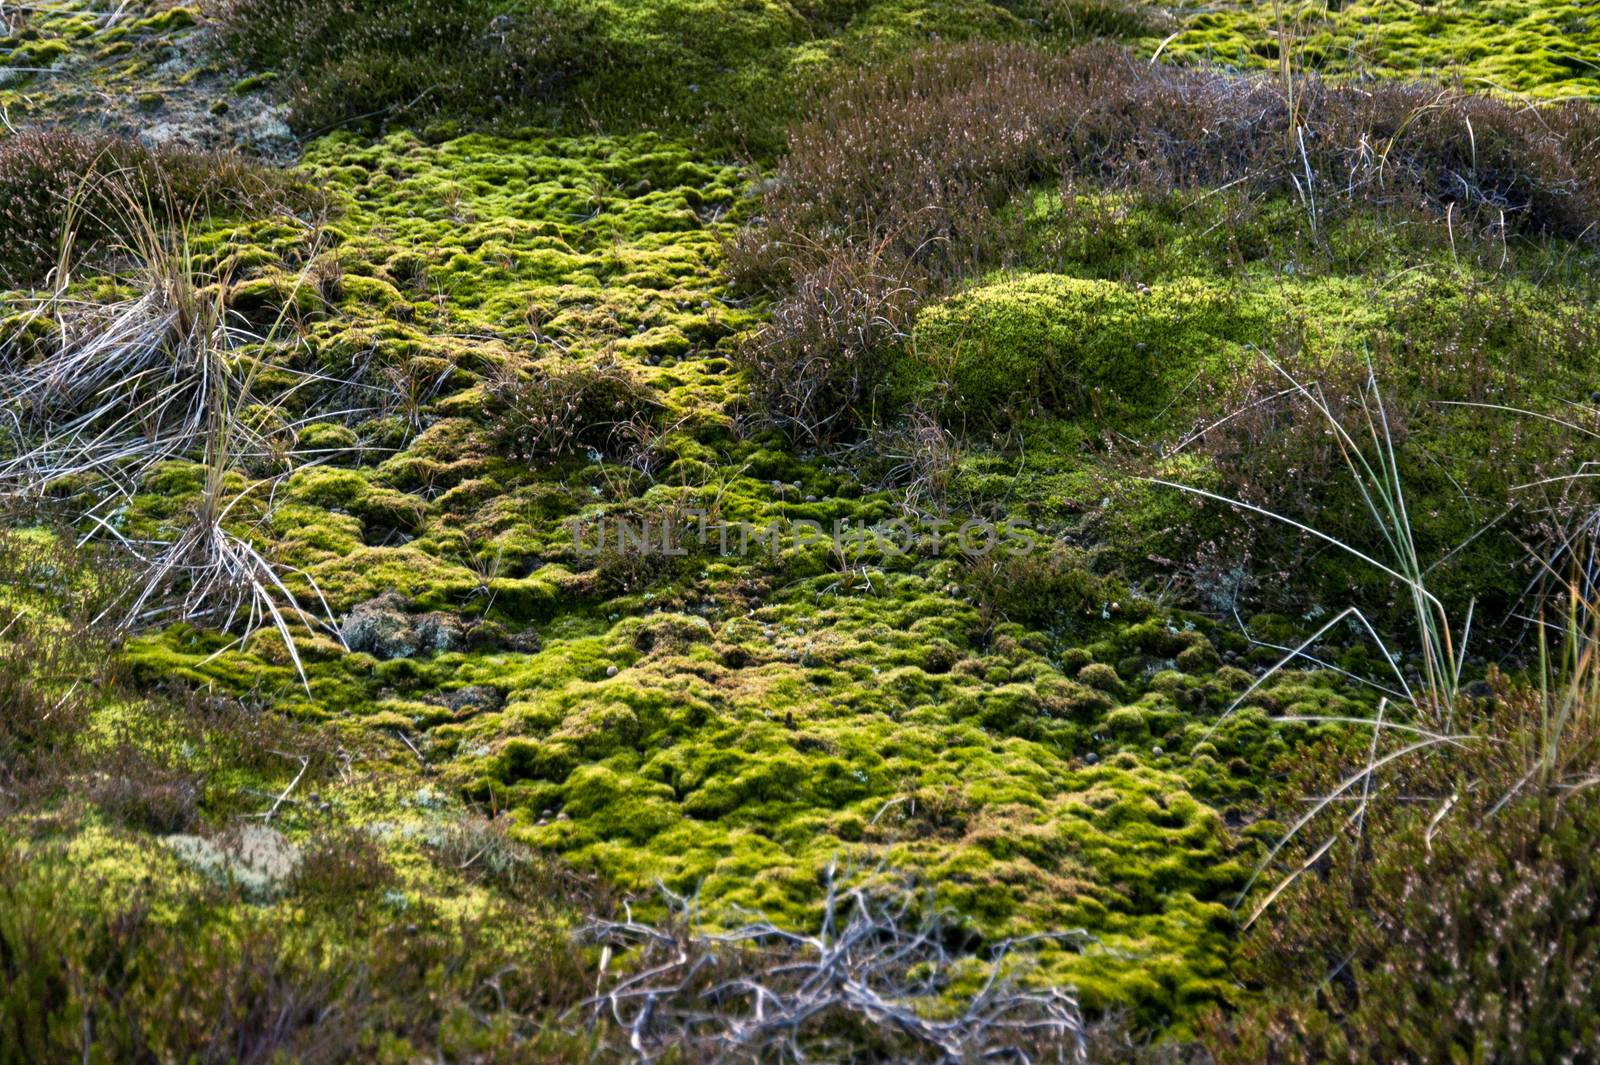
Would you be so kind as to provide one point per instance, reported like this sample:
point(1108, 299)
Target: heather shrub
point(732, 74)
point(39, 726)
point(1039, 583)
point(541, 413)
point(1450, 349)
point(143, 791)
point(53, 180)
point(1460, 923)
point(833, 341)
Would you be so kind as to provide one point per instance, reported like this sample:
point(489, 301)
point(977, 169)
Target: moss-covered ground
point(722, 723)
point(1146, 338)
point(196, 875)
point(1044, 739)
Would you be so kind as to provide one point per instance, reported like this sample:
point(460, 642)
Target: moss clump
point(1044, 342)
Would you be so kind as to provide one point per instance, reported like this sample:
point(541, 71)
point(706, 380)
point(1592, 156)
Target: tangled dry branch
point(878, 981)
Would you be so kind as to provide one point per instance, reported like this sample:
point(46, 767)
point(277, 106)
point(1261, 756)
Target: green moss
point(731, 725)
point(253, 82)
point(1512, 46)
point(1070, 345)
point(173, 18)
point(40, 53)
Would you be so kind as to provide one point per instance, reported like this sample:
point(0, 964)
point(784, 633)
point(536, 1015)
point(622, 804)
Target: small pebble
point(1091, 758)
point(1155, 750)
point(611, 671)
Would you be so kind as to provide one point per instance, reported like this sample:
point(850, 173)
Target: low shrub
point(541, 413)
point(1459, 924)
point(732, 74)
point(355, 59)
point(1048, 585)
point(143, 791)
point(833, 340)
point(40, 724)
point(342, 869)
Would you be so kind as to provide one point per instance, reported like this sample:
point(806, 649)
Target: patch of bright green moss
point(1543, 50)
point(1073, 345)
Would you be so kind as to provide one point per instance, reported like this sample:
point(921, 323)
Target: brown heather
point(1463, 924)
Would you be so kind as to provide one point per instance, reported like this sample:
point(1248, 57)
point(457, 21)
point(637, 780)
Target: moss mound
point(1046, 342)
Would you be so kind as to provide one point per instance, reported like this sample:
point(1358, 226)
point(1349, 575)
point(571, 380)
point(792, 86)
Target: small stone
point(611, 671)
point(380, 627)
point(1155, 751)
point(268, 133)
point(526, 642)
point(474, 698)
point(441, 632)
point(1091, 758)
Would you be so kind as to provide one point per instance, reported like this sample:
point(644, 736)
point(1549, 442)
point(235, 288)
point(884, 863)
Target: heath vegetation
point(334, 331)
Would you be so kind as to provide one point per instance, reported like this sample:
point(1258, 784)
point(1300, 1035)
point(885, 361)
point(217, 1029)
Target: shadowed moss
point(731, 74)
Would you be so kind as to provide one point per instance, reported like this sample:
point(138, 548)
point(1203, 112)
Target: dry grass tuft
point(112, 392)
point(55, 181)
